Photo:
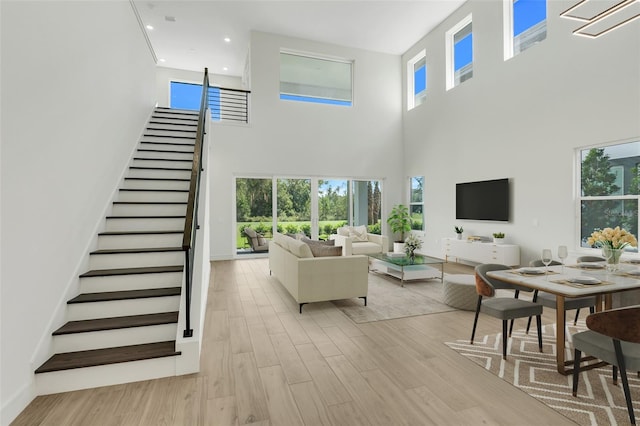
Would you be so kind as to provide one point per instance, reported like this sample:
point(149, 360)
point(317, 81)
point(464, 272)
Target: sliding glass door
point(315, 207)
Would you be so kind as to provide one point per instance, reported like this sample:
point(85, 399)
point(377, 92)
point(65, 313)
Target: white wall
point(78, 85)
point(288, 138)
point(520, 119)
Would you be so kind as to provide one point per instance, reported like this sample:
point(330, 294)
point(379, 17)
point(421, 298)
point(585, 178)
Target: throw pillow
point(358, 233)
point(321, 250)
point(262, 241)
point(343, 231)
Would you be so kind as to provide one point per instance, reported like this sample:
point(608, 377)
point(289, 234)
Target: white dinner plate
point(591, 265)
point(531, 271)
point(584, 280)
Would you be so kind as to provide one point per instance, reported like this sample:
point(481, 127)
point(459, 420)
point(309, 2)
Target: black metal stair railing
point(191, 220)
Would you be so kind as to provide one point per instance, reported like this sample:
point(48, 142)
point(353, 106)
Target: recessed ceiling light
point(227, 39)
point(162, 60)
point(149, 27)
point(225, 69)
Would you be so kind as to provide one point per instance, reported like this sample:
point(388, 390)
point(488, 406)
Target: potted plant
point(399, 221)
point(459, 231)
point(498, 237)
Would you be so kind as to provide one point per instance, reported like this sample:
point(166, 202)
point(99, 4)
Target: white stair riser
point(131, 282)
point(162, 174)
point(149, 209)
point(114, 338)
point(175, 114)
point(135, 260)
point(146, 224)
point(163, 123)
point(104, 375)
point(152, 196)
point(187, 156)
point(121, 308)
point(187, 164)
point(155, 184)
point(170, 133)
point(185, 149)
point(139, 241)
point(173, 141)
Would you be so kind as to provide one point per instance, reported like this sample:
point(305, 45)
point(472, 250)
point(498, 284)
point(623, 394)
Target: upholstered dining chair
point(503, 308)
point(613, 337)
point(549, 300)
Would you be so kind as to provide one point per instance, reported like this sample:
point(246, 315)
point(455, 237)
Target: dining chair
point(503, 308)
point(613, 337)
point(549, 300)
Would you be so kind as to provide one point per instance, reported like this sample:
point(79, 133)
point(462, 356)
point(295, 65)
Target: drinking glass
point(546, 259)
point(563, 253)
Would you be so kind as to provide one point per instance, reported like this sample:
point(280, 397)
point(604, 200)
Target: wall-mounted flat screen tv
point(483, 200)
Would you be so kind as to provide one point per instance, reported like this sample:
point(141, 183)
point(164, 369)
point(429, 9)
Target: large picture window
point(313, 79)
point(609, 188)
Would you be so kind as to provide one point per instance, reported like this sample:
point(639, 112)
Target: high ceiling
point(190, 34)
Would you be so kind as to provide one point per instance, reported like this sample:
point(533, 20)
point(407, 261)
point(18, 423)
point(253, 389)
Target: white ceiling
point(196, 38)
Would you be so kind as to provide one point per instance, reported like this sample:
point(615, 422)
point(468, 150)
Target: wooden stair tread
point(177, 231)
point(158, 179)
point(137, 250)
point(153, 190)
point(114, 323)
point(132, 271)
point(168, 136)
point(150, 202)
point(160, 168)
point(108, 296)
point(171, 130)
point(169, 143)
point(165, 151)
point(146, 217)
point(95, 357)
point(162, 159)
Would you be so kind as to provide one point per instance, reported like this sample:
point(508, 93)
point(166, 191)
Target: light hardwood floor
point(265, 364)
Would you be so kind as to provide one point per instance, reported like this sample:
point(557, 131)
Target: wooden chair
point(549, 300)
point(613, 337)
point(503, 308)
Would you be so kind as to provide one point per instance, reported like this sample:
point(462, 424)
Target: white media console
point(480, 252)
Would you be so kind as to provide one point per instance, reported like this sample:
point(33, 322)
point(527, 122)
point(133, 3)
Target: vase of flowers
point(612, 242)
point(459, 230)
point(411, 244)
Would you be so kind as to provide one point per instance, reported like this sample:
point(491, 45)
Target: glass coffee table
point(421, 267)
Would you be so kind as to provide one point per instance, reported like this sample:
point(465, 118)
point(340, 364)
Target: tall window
point(525, 24)
point(416, 203)
point(417, 80)
point(459, 52)
point(313, 79)
point(609, 188)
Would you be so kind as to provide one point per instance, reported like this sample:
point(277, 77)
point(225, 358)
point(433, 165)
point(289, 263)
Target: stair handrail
point(191, 219)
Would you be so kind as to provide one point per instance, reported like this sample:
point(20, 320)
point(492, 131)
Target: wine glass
point(563, 254)
point(546, 259)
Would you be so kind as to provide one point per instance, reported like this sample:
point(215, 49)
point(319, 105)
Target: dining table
point(574, 280)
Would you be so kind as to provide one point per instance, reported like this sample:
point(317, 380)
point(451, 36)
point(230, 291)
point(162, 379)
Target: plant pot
point(459, 236)
point(498, 240)
point(398, 247)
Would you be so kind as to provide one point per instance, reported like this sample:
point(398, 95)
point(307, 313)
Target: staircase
point(122, 327)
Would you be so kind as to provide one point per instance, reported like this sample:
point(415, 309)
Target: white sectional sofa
point(356, 240)
point(316, 279)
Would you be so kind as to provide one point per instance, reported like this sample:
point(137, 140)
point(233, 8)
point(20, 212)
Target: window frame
point(508, 29)
point(417, 203)
point(450, 50)
point(411, 80)
point(580, 198)
point(285, 96)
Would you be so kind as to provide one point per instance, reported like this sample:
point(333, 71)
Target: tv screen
point(484, 200)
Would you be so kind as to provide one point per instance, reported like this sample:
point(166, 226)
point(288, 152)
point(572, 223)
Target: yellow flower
point(613, 238)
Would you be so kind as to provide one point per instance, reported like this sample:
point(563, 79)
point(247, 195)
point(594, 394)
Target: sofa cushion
point(299, 249)
point(324, 243)
point(365, 247)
